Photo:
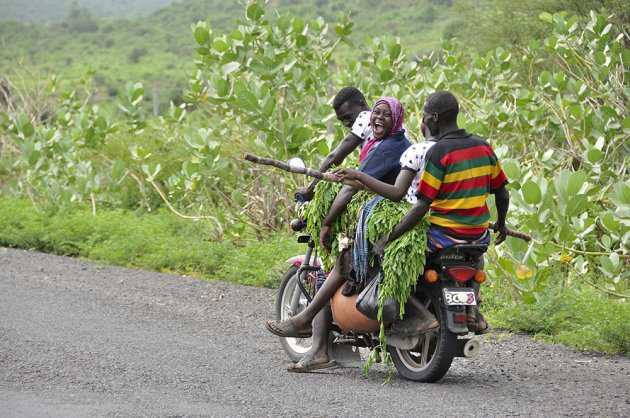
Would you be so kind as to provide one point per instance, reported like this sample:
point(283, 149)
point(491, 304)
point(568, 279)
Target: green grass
point(159, 241)
point(577, 316)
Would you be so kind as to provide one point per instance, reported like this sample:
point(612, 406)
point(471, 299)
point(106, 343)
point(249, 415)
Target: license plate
point(461, 296)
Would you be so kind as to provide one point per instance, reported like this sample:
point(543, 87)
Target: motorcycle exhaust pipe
point(467, 348)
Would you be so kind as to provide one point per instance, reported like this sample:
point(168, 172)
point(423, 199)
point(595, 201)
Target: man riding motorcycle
point(461, 171)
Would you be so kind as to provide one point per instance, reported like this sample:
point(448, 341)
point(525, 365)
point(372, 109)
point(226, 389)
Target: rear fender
point(451, 314)
point(298, 260)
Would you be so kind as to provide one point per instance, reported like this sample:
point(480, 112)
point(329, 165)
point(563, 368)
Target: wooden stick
point(302, 170)
point(357, 185)
point(515, 234)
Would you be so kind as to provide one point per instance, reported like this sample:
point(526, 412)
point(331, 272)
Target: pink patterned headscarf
point(398, 117)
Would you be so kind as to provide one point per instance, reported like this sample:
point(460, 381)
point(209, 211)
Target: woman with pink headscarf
point(386, 119)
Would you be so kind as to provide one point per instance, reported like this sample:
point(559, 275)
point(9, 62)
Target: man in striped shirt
point(460, 172)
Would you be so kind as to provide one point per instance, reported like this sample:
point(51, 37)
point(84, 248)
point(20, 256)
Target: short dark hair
point(443, 103)
point(348, 94)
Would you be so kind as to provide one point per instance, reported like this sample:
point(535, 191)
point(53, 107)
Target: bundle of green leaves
point(403, 260)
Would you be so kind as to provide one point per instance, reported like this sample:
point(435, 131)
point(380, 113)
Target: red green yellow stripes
point(458, 176)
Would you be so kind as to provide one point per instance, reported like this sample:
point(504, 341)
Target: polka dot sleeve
point(414, 159)
point(361, 127)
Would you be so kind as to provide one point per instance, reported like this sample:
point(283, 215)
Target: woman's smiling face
point(381, 120)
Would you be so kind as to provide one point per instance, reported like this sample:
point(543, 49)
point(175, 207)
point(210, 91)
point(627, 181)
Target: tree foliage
point(562, 135)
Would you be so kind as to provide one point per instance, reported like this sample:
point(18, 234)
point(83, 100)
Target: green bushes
point(580, 317)
point(159, 241)
point(561, 129)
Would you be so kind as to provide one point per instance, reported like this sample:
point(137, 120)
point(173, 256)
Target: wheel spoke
point(425, 349)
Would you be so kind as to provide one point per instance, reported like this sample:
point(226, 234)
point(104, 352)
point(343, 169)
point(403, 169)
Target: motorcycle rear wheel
point(295, 348)
point(430, 360)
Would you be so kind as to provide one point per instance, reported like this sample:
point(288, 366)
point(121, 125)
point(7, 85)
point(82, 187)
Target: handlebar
point(297, 225)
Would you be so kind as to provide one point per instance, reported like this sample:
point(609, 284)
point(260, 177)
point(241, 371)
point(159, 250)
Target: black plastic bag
point(367, 302)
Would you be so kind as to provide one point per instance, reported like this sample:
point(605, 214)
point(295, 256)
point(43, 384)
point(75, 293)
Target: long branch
point(573, 250)
point(181, 215)
point(334, 179)
point(619, 295)
point(301, 170)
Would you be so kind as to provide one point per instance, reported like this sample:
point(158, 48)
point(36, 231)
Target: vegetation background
point(122, 125)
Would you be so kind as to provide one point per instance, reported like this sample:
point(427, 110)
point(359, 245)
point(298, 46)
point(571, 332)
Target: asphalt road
point(80, 339)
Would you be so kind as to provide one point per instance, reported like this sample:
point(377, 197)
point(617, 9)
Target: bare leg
point(321, 328)
point(303, 320)
point(303, 324)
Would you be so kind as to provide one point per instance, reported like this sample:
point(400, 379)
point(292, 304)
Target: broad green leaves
point(201, 34)
point(270, 79)
point(130, 98)
point(248, 101)
point(531, 192)
point(255, 11)
point(561, 131)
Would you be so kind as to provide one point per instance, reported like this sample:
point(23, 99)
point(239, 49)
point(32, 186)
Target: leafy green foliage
point(488, 24)
point(403, 261)
point(316, 211)
point(158, 241)
point(156, 49)
point(271, 77)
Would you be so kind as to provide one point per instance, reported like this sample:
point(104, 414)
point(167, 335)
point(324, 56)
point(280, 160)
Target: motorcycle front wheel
point(430, 360)
point(291, 301)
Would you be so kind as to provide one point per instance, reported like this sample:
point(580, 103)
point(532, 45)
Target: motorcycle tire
point(295, 348)
point(430, 360)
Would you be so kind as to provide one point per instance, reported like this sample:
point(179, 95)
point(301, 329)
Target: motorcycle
point(446, 290)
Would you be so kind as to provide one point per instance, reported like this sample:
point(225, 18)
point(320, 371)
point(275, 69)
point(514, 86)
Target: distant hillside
point(26, 11)
point(159, 48)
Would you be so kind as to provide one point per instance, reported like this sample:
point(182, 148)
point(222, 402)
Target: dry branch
point(300, 170)
point(332, 178)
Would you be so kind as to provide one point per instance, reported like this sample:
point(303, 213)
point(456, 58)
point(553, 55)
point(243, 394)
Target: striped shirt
point(460, 172)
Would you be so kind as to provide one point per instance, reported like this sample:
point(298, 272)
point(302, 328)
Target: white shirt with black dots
point(362, 127)
point(414, 158)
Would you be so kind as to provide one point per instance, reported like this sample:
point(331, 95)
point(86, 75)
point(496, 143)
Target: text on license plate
point(461, 296)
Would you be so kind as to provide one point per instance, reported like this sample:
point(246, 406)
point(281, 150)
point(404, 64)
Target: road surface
point(78, 339)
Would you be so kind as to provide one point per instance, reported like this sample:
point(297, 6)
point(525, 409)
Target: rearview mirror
point(296, 162)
